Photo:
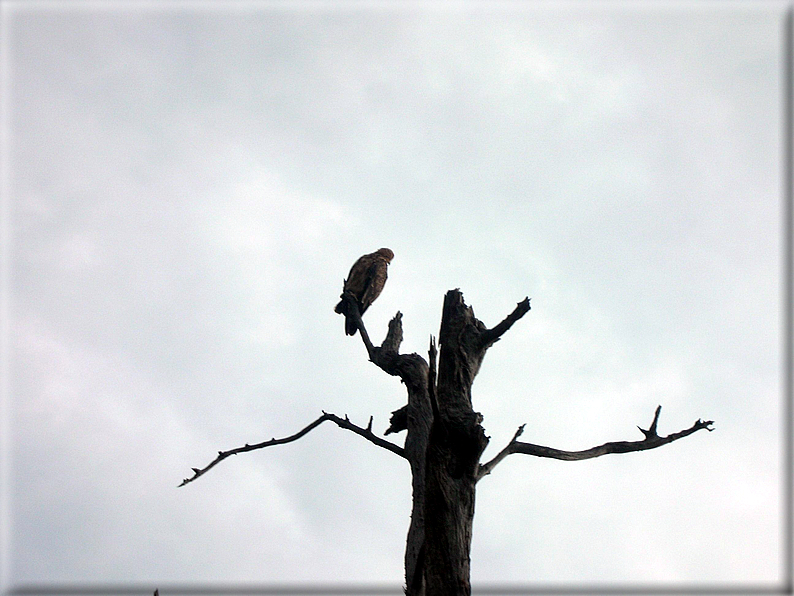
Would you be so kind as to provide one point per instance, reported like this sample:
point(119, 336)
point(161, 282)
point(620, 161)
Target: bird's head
point(385, 253)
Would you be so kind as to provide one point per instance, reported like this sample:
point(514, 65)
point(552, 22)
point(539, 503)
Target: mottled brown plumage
point(365, 282)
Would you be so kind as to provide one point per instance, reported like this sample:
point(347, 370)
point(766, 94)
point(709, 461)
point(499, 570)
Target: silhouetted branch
point(340, 422)
point(651, 432)
point(492, 335)
point(651, 441)
point(387, 356)
point(355, 314)
point(485, 469)
point(431, 378)
point(394, 336)
point(398, 421)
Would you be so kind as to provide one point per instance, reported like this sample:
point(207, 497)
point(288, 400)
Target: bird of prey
point(364, 282)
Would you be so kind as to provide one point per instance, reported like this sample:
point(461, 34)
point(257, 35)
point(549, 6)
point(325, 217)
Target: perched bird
point(365, 282)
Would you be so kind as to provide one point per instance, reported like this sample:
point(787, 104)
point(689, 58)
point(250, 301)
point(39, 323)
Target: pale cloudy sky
point(187, 184)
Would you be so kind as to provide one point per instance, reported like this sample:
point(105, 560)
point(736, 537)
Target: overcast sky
point(186, 185)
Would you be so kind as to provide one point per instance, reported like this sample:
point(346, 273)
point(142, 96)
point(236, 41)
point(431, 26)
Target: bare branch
point(354, 313)
point(485, 469)
point(431, 378)
point(651, 441)
point(398, 421)
point(387, 356)
point(394, 337)
point(492, 335)
point(342, 423)
point(651, 432)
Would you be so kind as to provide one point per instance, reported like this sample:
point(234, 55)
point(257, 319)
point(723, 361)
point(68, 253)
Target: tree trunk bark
point(420, 418)
point(445, 469)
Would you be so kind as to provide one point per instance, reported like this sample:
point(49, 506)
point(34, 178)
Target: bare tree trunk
point(449, 505)
point(446, 480)
point(420, 418)
point(417, 418)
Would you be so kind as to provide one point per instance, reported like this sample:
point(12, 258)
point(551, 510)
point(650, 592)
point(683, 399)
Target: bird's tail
point(350, 326)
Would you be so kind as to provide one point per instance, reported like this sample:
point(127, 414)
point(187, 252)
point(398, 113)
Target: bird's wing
point(376, 279)
point(357, 279)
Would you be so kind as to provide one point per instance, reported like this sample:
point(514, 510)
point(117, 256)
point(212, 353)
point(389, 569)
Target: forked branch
point(651, 441)
point(340, 422)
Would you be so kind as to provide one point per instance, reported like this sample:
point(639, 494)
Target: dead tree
point(445, 440)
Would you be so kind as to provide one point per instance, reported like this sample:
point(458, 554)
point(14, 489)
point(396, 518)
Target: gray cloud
point(189, 187)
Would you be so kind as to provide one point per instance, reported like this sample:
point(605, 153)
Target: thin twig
point(340, 422)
